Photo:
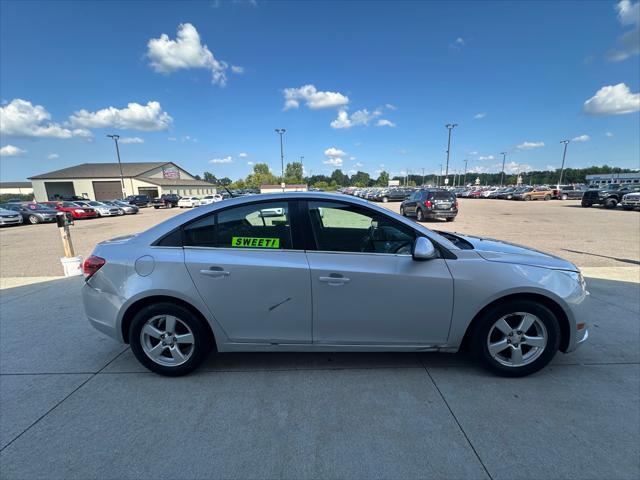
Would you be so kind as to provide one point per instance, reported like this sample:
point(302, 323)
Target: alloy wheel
point(517, 339)
point(167, 340)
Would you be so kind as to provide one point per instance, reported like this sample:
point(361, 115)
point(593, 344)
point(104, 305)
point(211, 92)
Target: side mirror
point(423, 249)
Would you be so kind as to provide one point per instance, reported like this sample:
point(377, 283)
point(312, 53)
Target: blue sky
point(208, 95)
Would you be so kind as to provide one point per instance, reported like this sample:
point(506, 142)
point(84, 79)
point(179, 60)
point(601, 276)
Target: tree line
point(294, 174)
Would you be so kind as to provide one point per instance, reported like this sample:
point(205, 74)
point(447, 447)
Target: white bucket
point(72, 266)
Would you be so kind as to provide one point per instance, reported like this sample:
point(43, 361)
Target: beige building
point(16, 188)
point(101, 181)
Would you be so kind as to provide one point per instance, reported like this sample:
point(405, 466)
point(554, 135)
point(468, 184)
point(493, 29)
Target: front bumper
point(10, 221)
point(630, 203)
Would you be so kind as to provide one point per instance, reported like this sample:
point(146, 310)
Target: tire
point(547, 198)
point(450, 219)
point(527, 198)
point(485, 331)
point(610, 203)
point(385, 199)
point(402, 212)
point(564, 196)
point(156, 208)
point(627, 208)
point(585, 204)
point(193, 353)
point(419, 215)
point(33, 219)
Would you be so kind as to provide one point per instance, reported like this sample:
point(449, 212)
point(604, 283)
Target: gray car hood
point(499, 251)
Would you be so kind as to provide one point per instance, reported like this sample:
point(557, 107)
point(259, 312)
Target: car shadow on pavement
point(618, 259)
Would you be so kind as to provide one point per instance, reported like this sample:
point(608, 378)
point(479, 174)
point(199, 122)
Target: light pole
point(423, 176)
point(302, 166)
point(464, 182)
point(280, 131)
point(449, 126)
point(504, 156)
point(115, 139)
point(564, 155)
point(439, 176)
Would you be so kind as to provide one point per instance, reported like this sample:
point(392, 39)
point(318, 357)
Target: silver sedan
point(321, 272)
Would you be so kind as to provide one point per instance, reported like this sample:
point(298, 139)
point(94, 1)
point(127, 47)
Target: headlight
point(578, 278)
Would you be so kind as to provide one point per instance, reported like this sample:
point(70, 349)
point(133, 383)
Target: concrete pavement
point(75, 404)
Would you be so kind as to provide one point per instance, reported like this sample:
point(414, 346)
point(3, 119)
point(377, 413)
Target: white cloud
point(21, 118)
point(313, 98)
point(581, 138)
point(127, 140)
point(629, 42)
point(172, 139)
point(352, 158)
point(530, 145)
point(243, 155)
point(390, 106)
point(358, 165)
point(237, 69)
point(609, 134)
point(551, 168)
point(149, 117)
point(480, 115)
point(475, 169)
point(383, 122)
point(486, 157)
point(227, 159)
point(336, 162)
point(359, 117)
point(613, 100)
point(187, 138)
point(334, 152)
point(11, 151)
point(458, 43)
point(185, 52)
point(513, 167)
point(474, 152)
point(52, 156)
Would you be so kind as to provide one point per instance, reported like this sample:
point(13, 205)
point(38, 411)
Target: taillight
point(92, 264)
point(427, 203)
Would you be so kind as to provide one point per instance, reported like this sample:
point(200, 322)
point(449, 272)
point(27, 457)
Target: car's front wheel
point(33, 219)
point(169, 339)
point(516, 338)
point(419, 215)
point(610, 203)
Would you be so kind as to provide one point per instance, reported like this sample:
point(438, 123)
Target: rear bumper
point(438, 214)
point(102, 309)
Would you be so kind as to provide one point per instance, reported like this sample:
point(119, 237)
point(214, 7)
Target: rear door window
point(262, 225)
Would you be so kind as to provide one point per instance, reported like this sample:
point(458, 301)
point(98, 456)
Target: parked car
point(189, 202)
point(328, 273)
point(102, 209)
point(33, 213)
point(392, 195)
point(9, 217)
point(430, 203)
point(533, 193)
point(209, 199)
point(506, 194)
point(569, 192)
point(610, 196)
point(76, 211)
point(631, 201)
point(166, 200)
point(127, 208)
point(140, 201)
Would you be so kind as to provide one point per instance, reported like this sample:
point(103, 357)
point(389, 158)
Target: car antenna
point(229, 192)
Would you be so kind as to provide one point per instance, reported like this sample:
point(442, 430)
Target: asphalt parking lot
point(75, 404)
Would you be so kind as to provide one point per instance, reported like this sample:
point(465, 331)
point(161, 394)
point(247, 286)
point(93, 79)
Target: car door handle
point(334, 279)
point(215, 272)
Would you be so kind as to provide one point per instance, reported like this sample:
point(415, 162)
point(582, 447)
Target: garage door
point(57, 190)
point(107, 190)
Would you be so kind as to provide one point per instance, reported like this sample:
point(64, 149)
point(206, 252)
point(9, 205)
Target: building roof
point(15, 184)
point(288, 185)
point(102, 170)
point(178, 182)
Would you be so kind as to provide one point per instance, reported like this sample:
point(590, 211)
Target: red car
point(76, 211)
point(476, 194)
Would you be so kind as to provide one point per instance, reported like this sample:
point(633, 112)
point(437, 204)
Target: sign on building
point(170, 172)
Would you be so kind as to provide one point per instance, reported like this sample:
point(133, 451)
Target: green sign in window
point(255, 242)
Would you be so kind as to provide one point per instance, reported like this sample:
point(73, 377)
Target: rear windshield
point(442, 196)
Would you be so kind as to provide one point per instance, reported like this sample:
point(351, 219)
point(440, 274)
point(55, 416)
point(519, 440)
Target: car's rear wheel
point(516, 338)
point(547, 198)
point(610, 203)
point(419, 215)
point(564, 196)
point(527, 198)
point(385, 199)
point(33, 219)
point(402, 212)
point(169, 339)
